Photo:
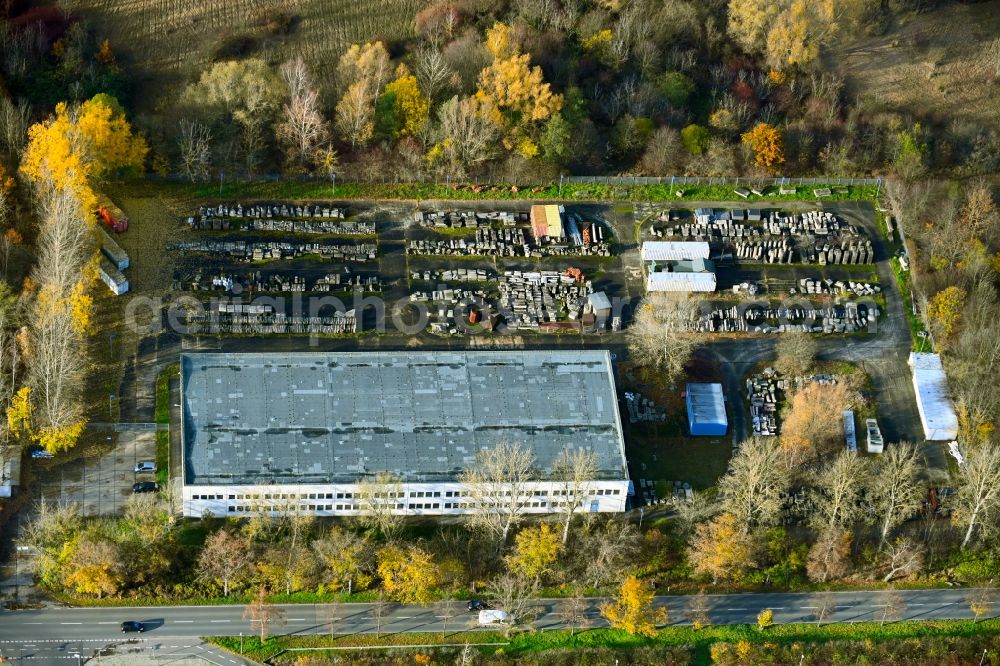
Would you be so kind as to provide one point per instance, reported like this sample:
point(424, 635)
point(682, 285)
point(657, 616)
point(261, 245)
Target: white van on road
point(488, 617)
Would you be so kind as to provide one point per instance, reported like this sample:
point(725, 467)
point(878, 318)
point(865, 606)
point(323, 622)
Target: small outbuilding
point(937, 411)
point(546, 221)
point(706, 408)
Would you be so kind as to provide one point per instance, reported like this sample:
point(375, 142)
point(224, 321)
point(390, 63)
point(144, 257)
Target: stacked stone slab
point(468, 219)
point(275, 250)
point(454, 275)
point(271, 323)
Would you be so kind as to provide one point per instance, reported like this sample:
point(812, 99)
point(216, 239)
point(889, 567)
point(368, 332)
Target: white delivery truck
point(487, 617)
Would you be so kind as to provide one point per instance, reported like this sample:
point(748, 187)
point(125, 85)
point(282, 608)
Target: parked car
point(477, 605)
point(487, 617)
point(145, 487)
point(132, 625)
point(40, 453)
point(145, 466)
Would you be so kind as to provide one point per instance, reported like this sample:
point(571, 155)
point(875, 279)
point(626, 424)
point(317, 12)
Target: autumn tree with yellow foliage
point(408, 575)
point(515, 93)
point(402, 109)
point(633, 611)
point(536, 549)
point(789, 33)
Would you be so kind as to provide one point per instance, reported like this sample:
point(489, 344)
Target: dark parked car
point(132, 625)
point(145, 487)
point(477, 605)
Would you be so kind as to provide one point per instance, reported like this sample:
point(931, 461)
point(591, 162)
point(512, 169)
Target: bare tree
point(497, 487)
point(380, 608)
point(605, 552)
point(262, 613)
point(699, 608)
point(225, 558)
point(432, 71)
point(981, 601)
point(660, 334)
point(838, 489)
point(690, 511)
point(302, 128)
point(356, 115)
point(978, 497)
point(195, 144)
point(573, 470)
point(377, 501)
point(902, 557)
point(830, 556)
point(899, 491)
point(446, 610)
point(796, 353)
point(893, 605)
point(513, 594)
point(752, 488)
point(575, 610)
point(466, 133)
point(14, 122)
point(823, 604)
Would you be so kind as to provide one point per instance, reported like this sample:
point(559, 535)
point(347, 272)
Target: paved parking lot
point(101, 484)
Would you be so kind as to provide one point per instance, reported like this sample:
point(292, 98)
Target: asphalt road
point(51, 635)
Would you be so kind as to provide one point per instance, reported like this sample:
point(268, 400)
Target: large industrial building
point(302, 431)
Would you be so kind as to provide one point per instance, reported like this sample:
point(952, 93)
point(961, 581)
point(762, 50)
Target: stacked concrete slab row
point(266, 210)
point(454, 275)
point(468, 219)
point(829, 286)
point(273, 250)
point(275, 283)
point(352, 228)
point(270, 323)
point(844, 318)
point(513, 242)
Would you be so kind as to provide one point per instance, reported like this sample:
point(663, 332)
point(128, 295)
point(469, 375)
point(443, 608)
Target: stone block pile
point(765, 391)
point(454, 275)
point(529, 299)
point(270, 323)
point(837, 287)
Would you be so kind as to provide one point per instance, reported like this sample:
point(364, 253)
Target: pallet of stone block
point(273, 250)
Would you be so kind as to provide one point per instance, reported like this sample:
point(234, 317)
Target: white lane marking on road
point(808, 607)
point(736, 609)
point(32, 623)
point(842, 606)
point(296, 619)
point(71, 623)
point(218, 620)
point(183, 621)
point(776, 608)
point(107, 623)
point(912, 604)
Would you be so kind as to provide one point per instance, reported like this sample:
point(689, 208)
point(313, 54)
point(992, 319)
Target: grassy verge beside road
point(918, 333)
point(695, 644)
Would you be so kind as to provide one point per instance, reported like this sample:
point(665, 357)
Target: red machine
point(112, 216)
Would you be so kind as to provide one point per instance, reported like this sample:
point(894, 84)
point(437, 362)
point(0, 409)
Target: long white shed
point(937, 411)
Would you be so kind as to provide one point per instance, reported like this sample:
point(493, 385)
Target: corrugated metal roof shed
point(937, 412)
point(666, 281)
point(338, 417)
point(546, 220)
point(706, 408)
point(674, 250)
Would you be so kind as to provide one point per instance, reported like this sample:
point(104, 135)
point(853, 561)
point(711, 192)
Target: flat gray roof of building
point(340, 417)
